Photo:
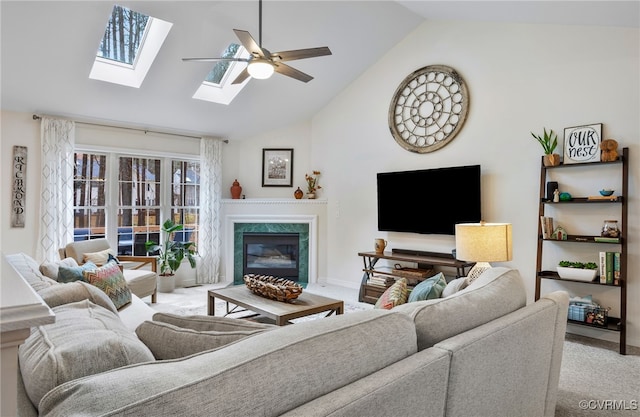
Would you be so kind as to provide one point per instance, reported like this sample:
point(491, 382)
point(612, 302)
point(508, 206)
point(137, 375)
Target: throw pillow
point(74, 273)
point(453, 287)
point(474, 274)
point(429, 288)
point(50, 269)
point(210, 323)
point(76, 291)
point(98, 258)
point(394, 295)
point(109, 279)
point(85, 339)
point(167, 341)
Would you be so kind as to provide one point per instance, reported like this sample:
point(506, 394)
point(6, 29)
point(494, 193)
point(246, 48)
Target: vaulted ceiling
point(48, 48)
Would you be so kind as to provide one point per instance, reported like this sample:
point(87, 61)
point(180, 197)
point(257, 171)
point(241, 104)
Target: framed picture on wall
point(277, 167)
point(582, 143)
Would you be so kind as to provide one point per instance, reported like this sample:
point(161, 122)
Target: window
point(89, 203)
point(123, 36)
point(129, 46)
point(138, 204)
point(217, 86)
point(126, 199)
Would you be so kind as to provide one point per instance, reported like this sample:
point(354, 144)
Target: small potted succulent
point(549, 142)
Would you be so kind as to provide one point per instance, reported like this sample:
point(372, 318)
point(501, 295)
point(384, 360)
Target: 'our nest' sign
point(582, 143)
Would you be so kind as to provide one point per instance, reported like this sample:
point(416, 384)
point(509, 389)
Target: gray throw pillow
point(85, 339)
point(50, 269)
point(167, 341)
point(210, 323)
point(76, 291)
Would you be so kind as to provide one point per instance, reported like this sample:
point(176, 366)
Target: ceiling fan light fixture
point(260, 69)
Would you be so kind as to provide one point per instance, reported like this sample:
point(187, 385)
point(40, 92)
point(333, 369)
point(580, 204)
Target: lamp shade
point(260, 69)
point(483, 242)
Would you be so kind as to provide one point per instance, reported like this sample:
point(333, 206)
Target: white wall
point(521, 78)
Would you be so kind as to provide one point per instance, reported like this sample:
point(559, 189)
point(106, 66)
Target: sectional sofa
point(480, 352)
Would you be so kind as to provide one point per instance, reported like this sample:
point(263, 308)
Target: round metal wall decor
point(428, 108)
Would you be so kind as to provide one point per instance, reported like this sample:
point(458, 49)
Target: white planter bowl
point(577, 273)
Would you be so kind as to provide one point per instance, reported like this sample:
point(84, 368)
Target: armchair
point(142, 282)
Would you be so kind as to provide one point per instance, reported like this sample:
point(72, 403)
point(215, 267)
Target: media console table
point(369, 293)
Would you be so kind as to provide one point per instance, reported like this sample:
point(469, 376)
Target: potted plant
point(577, 270)
point(312, 184)
point(549, 142)
point(170, 255)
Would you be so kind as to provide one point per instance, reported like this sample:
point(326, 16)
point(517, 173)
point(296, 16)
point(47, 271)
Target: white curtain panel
point(56, 190)
point(209, 241)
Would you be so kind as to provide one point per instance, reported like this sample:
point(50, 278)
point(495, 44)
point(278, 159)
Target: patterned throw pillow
point(74, 273)
point(429, 288)
point(394, 295)
point(109, 279)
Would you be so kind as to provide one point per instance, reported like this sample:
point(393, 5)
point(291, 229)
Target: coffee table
point(281, 312)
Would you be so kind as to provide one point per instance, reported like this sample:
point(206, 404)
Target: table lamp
point(483, 243)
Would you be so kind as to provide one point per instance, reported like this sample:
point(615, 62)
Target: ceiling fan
point(262, 63)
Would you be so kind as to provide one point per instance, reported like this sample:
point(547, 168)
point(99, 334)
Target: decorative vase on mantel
point(236, 190)
point(298, 194)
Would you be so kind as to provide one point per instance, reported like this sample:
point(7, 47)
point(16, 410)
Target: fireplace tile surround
point(273, 215)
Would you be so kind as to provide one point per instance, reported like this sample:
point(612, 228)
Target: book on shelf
point(616, 268)
point(546, 224)
point(609, 268)
point(381, 280)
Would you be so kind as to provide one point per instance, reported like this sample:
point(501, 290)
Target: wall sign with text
point(582, 144)
point(18, 186)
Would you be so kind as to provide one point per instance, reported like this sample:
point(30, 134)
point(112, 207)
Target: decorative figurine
point(556, 196)
point(609, 149)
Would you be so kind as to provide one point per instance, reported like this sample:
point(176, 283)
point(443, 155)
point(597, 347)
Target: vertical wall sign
point(19, 186)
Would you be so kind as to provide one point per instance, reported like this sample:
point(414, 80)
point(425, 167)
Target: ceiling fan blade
point(301, 53)
point(217, 59)
point(292, 72)
point(241, 77)
point(249, 43)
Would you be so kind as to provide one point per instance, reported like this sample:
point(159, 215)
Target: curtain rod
point(37, 117)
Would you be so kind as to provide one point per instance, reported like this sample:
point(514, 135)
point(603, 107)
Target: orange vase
point(236, 190)
point(298, 194)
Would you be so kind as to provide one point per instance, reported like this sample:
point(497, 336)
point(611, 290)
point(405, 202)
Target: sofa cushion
point(298, 362)
point(50, 269)
point(167, 341)
point(109, 279)
point(76, 250)
point(100, 257)
point(498, 291)
point(211, 323)
point(86, 339)
point(428, 289)
point(74, 273)
point(453, 287)
point(30, 271)
point(393, 296)
point(76, 291)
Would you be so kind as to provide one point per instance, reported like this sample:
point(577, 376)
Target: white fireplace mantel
point(271, 210)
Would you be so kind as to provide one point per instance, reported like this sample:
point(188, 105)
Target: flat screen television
point(429, 201)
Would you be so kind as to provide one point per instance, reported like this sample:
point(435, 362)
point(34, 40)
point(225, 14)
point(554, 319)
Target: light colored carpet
point(595, 381)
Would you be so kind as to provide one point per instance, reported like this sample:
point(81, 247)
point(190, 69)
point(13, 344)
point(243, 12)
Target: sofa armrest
point(140, 261)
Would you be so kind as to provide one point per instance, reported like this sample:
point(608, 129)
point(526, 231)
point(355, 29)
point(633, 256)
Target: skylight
point(129, 46)
point(217, 86)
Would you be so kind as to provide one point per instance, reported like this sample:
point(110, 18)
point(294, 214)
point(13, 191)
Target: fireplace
point(274, 254)
point(276, 226)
